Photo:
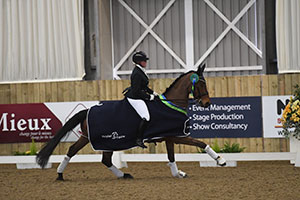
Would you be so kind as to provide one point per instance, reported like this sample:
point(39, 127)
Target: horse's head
point(190, 82)
point(198, 87)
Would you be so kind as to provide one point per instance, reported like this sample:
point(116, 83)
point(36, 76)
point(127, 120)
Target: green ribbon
point(171, 105)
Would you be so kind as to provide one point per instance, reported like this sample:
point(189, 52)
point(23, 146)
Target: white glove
point(151, 97)
point(155, 94)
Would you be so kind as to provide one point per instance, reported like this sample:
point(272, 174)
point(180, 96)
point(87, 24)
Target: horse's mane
point(177, 79)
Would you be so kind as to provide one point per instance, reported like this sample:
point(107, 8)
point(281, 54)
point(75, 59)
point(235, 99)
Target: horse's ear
point(201, 69)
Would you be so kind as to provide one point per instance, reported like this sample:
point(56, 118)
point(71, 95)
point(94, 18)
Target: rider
point(139, 92)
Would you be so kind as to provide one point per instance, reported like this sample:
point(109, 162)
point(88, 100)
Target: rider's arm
point(149, 90)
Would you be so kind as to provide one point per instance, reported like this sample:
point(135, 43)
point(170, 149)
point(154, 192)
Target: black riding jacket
point(139, 85)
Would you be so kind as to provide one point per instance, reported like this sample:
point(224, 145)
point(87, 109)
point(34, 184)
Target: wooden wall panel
point(5, 93)
point(265, 85)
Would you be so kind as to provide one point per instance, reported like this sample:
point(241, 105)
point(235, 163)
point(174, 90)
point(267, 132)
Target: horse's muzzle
point(205, 105)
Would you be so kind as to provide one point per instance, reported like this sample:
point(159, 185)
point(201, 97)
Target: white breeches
point(140, 107)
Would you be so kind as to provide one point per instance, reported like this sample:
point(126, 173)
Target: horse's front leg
point(172, 164)
point(107, 161)
point(193, 142)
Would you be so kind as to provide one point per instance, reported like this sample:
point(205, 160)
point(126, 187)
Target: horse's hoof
point(221, 161)
point(60, 177)
point(181, 174)
point(127, 176)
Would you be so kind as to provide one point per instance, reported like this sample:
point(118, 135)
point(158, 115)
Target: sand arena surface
point(249, 180)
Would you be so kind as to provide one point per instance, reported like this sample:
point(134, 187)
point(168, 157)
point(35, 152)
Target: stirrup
point(140, 143)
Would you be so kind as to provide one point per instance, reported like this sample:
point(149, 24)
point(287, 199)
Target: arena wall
point(260, 85)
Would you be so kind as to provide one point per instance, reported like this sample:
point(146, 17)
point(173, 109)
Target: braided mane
point(177, 79)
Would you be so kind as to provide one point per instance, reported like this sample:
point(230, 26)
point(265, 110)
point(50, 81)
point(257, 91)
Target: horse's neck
point(178, 95)
point(179, 101)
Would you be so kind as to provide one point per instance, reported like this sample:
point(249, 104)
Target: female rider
point(139, 92)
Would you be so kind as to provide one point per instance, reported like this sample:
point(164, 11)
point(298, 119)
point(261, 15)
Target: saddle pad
point(113, 125)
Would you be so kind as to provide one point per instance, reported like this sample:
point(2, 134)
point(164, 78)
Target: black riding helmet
point(139, 57)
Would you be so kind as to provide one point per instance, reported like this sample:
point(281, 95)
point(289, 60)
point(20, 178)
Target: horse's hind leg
point(106, 160)
point(79, 144)
point(172, 164)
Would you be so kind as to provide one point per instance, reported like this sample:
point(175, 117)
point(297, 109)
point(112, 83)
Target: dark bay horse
point(178, 93)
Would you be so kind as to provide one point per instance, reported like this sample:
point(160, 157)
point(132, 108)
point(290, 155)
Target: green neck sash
point(171, 105)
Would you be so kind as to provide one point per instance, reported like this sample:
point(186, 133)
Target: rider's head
point(140, 58)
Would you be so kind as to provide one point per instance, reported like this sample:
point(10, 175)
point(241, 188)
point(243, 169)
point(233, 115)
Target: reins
point(169, 103)
point(180, 100)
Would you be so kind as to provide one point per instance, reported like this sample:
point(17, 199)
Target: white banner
point(273, 107)
point(65, 110)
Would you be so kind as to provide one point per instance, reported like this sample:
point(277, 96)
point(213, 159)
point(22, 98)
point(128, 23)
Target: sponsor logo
point(24, 122)
point(113, 136)
point(280, 107)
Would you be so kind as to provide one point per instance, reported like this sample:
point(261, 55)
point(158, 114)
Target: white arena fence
point(120, 159)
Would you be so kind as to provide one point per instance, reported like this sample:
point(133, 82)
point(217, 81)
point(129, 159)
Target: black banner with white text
point(232, 117)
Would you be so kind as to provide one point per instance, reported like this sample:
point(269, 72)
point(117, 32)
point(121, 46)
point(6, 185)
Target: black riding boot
point(142, 127)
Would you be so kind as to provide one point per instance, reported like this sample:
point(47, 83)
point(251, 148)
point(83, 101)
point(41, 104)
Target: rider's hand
point(152, 97)
point(155, 94)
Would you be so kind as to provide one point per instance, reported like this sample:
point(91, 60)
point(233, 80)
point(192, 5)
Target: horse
point(177, 94)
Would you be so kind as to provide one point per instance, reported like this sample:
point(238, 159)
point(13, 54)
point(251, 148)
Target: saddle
point(113, 125)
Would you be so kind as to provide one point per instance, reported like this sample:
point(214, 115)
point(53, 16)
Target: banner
point(234, 117)
point(39, 121)
point(273, 107)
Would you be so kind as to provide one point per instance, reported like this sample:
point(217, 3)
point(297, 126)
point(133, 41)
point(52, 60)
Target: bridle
point(194, 79)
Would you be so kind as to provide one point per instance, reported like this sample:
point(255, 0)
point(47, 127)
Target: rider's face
point(143, 63)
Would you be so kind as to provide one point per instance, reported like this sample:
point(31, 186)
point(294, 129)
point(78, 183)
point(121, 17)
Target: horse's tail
point(44, 154)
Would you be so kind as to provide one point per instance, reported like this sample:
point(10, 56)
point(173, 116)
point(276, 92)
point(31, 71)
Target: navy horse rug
point(113, 125)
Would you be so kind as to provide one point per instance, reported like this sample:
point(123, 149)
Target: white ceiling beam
point(210, 69)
